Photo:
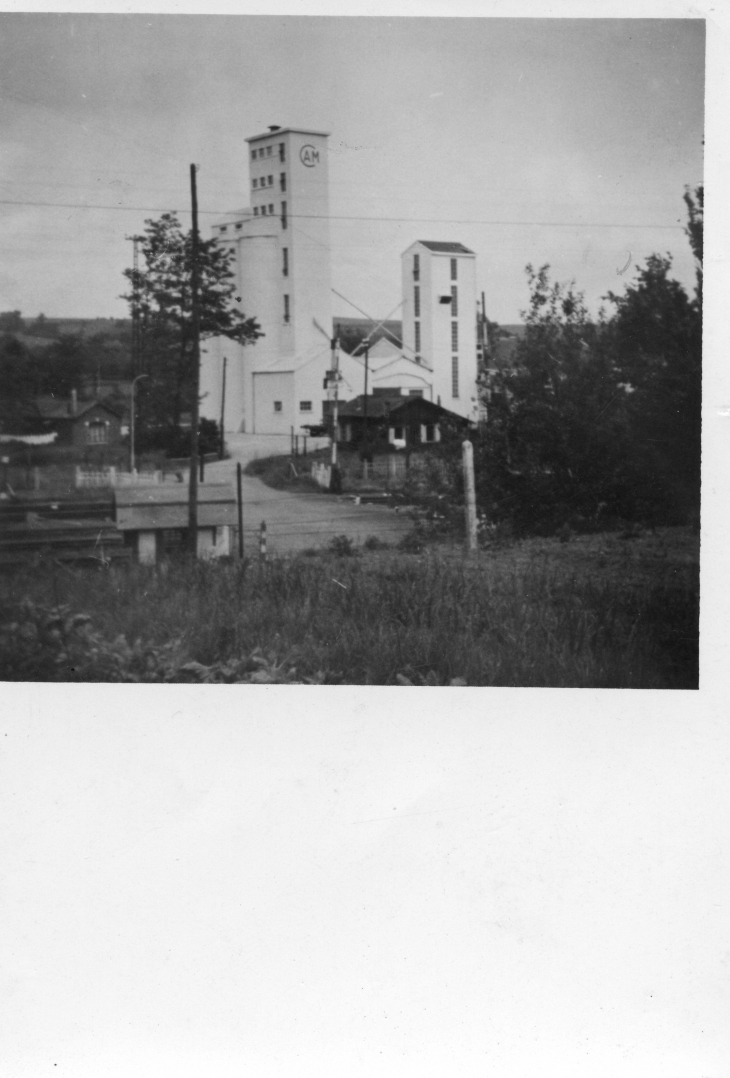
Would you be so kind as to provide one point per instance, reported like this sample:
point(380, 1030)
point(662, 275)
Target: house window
point(283, 215)
point(417, 301)
point(454, 302)
point(255, 183)
point(454, 376)
point(254, 154)
point(271, 181)
point(429, 432)
point(453, 269)
point(277, 406)
point(268, 151)
point(97, 432)
point(415, 392)
point(416, 267)
point(282, 181)
point(417, 336)
point(285, 265)
point(281, 151)
point(305, 406)
point(454, 336)
point(263, 211)
point(255, 211)
point(286, 308)
point(238, 227)
point(224, 228)
point(271, 207)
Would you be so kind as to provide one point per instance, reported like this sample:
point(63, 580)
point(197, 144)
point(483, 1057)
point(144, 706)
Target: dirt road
point(298, 521)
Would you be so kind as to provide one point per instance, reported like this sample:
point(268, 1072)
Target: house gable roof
point(52, 408)
point(383, 405)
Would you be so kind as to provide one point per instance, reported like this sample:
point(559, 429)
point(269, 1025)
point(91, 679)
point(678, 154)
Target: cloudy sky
point(560, 141)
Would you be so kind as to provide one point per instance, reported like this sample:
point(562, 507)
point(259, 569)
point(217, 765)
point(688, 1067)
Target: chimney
point(74, 402)
point(274, 127)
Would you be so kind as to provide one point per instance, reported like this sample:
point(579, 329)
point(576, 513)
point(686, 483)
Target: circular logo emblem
point(309, 156)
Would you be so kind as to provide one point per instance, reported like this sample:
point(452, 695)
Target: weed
point(342, 546)
point(537, 613)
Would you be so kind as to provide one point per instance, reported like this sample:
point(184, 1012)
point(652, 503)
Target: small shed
point(155, 519)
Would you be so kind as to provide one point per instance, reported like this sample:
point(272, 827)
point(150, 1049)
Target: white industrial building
point(282, 263)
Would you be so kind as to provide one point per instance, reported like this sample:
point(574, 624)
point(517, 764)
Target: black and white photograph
point(356, 351)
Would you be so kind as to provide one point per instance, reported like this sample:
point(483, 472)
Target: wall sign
point(309, 156)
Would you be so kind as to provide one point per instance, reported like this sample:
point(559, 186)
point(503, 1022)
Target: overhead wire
point(343, 217)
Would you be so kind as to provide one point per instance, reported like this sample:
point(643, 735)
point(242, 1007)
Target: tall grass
point(390, 618)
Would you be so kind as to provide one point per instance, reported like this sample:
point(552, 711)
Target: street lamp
point(131, 424)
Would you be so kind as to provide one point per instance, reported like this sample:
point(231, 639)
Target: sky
point(560, 141)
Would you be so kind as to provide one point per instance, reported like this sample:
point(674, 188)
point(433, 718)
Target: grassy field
point(598, 611)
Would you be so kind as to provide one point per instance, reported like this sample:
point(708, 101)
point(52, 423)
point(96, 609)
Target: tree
point(11, 322)
point(161, 295)
point(553, 448)
point(656, 342)
point(695, 201)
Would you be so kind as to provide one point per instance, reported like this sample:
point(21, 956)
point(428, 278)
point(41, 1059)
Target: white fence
point(110, 477)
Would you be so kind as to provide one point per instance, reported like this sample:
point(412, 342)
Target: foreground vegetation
point(598, 611)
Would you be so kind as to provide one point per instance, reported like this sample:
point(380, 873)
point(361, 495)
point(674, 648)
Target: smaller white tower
point(439, 325)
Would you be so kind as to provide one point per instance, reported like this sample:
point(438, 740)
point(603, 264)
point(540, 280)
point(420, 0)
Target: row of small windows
point(417, 268)
point(304, 406)
point(268, 181)
point(454, 376)
point(261, 211)
point(267, 151)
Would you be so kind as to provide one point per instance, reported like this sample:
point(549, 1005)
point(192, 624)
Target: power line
point(343, 217)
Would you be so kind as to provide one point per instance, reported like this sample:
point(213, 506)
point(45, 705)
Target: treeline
point(599, 421)
point(66, 363)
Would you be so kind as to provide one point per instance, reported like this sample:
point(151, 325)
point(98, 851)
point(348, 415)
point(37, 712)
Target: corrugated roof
point(446, 248)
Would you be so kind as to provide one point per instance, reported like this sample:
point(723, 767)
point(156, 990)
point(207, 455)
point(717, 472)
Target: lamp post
point(131, 423)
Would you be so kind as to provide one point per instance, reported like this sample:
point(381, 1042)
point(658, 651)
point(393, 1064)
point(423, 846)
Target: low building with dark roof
point(384, 419)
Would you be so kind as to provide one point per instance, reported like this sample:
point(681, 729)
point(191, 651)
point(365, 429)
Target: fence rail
point(110, 477)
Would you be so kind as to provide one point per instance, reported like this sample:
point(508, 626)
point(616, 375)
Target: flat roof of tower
point(446, 248)
point(285, 130)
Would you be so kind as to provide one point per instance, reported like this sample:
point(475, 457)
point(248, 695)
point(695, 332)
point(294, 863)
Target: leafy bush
point(342, 546)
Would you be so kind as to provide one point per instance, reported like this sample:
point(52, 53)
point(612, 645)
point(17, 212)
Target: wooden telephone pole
point(195, 410)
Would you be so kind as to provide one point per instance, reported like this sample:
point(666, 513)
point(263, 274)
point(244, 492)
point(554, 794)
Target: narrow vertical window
point(255, 183)
point(263, 211)
point(453, 269)
point(282, 181)
point(268, 151)
point(454, 376)
point(417, 301)
point(454, 302)
point(281, 152)
point(271, 181)
point(417, 336)
point(271, 208)
point(454, 336)
point(286, 308)
point(283, 215)
point(285, 265)
point(253, 155)
point(416, 267)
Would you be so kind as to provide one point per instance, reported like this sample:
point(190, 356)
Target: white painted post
point(470, 501)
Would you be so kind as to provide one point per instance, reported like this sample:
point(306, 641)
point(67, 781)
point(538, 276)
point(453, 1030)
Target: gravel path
point(298, 521)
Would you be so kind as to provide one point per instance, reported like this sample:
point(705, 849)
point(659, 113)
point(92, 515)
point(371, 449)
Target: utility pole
point(135, 306)
point(336, 378)
point(223, 411)
point(365, 398)
point(195, 321)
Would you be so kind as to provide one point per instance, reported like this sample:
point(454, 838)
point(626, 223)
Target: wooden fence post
point(470, 502)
